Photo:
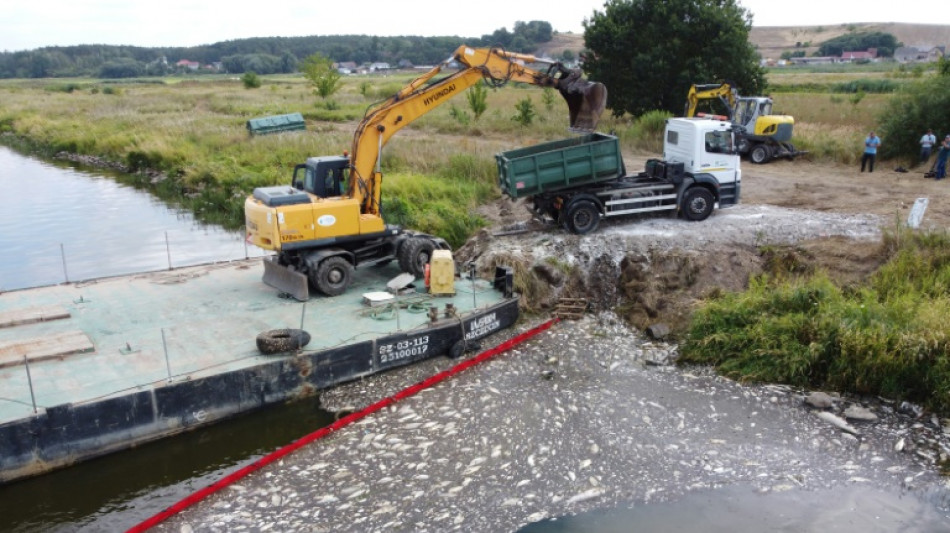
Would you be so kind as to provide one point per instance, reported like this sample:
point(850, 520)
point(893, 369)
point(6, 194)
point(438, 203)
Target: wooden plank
point(30, 315)
point(42, 348)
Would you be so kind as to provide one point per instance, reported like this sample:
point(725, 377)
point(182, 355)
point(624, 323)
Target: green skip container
point(559, 164)
point(276, 123)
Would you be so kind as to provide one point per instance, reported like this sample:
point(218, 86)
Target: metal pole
point(168, 251)
point(471, 275)
point(62, 253)
point(29, 378)
point(244, 232)
point(168, 365)
point(396, 306)
point(303, 312)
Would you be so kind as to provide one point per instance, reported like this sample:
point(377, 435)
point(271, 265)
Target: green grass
point(890, 337)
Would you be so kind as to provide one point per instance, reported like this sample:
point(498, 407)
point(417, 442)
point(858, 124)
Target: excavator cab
point(322, 176)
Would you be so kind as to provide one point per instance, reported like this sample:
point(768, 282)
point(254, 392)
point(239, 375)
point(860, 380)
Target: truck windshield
point(718, 142)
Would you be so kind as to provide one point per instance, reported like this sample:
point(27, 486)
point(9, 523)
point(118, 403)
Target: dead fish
point(837, 421)
point(586, 495)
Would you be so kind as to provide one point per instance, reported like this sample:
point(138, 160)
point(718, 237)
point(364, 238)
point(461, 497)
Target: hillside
point(771, 41)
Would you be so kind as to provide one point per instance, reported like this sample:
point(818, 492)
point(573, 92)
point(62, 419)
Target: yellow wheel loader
point(761, 135)
point(328, 220)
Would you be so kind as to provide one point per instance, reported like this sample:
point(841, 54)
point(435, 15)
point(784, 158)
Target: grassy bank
point(888, 337)
point(437, 171)
point(193, 132)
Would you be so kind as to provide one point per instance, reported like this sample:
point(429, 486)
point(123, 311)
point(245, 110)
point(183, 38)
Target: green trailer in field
point(276, 124)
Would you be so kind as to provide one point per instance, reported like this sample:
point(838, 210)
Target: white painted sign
point(326, 220)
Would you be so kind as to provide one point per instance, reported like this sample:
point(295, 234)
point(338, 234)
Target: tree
point(477, 99)
point(918, 106)
point(319, 70)
point(851, 42)
point(649, 53)
point(121, 68)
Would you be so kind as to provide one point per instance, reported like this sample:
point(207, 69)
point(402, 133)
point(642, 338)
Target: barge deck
point(96, 367)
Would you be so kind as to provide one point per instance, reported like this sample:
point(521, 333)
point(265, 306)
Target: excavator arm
point(724, 92)
point(586, 101)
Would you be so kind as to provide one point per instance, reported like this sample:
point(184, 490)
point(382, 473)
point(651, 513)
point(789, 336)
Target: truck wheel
point(582, 217)
point(761, 153)
point(742, 145)
point(698, 204)
point(333, 276)
point(414, 255)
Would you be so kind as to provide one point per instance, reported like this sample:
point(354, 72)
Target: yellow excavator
point(328, 221)
point(760, 134)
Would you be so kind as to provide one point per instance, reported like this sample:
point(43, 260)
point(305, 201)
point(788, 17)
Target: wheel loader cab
point(322, 176)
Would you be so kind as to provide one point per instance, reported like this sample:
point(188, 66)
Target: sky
point(29, 24)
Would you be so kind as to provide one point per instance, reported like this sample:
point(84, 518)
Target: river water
point(59, 223)
point(51, 211)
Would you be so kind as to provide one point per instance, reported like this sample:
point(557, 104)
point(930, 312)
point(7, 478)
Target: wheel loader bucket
point(586, 101)
point(286, 280)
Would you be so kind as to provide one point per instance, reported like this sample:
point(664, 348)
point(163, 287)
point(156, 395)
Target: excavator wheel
point(760, 154)
point(333, 276)
point(415, 254)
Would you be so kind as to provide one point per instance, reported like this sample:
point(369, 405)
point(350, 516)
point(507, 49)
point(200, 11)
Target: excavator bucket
point(286, 280)
point(586, 101)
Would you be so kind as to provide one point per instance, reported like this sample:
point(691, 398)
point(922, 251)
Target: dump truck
point(577, 181)
point(329, 221)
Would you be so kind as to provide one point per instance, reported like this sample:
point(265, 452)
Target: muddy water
point(742, 509)
point(118, 491)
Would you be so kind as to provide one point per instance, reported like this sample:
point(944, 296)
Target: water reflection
point(741, 509)
point(60, 224)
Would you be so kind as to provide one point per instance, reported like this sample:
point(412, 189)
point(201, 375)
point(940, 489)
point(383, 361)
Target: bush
point(921, 105)
point(524, 112)
point(251, 80)
point(888, 338)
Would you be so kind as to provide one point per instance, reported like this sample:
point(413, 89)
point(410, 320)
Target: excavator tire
point(415, 254)
point(760, 154)
point(281, 340)
point(333, 276)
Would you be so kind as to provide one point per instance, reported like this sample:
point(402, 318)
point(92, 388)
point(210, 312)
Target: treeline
point(263, 55)
point(860, 41)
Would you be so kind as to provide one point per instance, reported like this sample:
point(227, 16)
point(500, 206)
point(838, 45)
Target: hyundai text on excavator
point(328, 221)
point(761, 135)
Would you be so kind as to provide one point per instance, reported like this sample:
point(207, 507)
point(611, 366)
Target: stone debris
point(496, 448)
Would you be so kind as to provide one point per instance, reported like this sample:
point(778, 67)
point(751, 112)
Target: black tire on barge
point(281, 340)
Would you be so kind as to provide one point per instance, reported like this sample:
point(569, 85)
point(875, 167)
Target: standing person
point(871, 144)
point(927, 143)
point(942, 155)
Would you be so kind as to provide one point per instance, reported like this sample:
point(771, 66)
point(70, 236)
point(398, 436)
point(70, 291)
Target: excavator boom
point(586, 101)
point(322, 230)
